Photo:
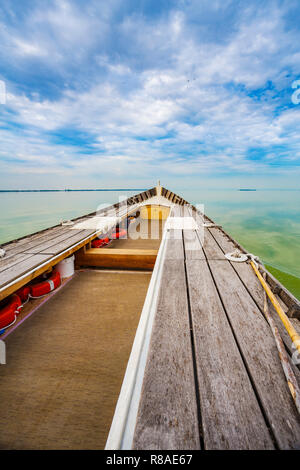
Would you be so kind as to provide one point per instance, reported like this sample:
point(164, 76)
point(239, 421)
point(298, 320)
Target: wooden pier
point(204, 372)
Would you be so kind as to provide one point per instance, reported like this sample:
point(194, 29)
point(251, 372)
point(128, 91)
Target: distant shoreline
point(64, 190)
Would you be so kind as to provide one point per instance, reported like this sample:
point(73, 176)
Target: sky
point(98, 94)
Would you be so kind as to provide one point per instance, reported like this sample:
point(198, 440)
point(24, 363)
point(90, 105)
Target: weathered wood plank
point(226, 244)
point(68, 242)
point(59, 248)
point(21, 245)
point(174, 248)
point(167, 416)
point(260, 354)
point(32, 241)
point(192, 246)
point(289, 303)
point(6, 263)
point(231, 416)
point(256, 291)
point(50, 246)
point(210, 246)
point(20, 268)
point(254, 287)
point(40, 269)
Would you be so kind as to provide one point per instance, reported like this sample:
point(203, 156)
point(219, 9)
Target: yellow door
point(154, 212)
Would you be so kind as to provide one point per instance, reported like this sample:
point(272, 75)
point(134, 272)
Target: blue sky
point(121, 93)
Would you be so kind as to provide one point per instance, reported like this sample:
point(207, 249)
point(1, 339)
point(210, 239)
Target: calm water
point(266, 223)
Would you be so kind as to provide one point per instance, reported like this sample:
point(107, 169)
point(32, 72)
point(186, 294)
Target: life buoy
point(120, 234)
point(10, 310)
point(100, 242)
point(44, 287)
point(23, 293)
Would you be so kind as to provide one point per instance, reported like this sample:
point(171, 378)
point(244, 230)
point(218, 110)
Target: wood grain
point(259, 352)
point(117, 258)
point(231, 416)
point(167, 416)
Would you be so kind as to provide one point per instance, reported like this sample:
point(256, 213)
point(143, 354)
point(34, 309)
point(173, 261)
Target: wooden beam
point(117, 258)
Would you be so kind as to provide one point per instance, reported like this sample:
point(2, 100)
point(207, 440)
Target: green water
point(265, 222)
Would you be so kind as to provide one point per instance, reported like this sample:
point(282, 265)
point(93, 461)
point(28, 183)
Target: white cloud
point(170, 102)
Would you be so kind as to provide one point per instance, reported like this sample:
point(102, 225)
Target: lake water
point(265, 222)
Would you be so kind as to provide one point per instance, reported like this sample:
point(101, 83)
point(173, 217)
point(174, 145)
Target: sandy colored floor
point(66, 363)
point(144, 235)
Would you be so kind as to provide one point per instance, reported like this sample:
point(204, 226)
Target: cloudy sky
point(121, 93)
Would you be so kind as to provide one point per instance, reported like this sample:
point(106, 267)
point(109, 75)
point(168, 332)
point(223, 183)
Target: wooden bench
point(117, 258)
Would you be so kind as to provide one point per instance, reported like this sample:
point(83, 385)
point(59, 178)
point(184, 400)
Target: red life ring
point(43, 288)
point(100, 242)
point(9, 312)
point(120, 234)
point(23, 293)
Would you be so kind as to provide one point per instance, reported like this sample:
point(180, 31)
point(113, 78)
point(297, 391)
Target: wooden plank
point(291, 304)
point(22, 281)
point(251, 282)
point(27, 243)
point(210, 246)
point(260, 354)
point(117, 258)
point(192, 246)
point(67, 243)
point(167, 415)
point(61, 251)
point(21, 245)
point(121, 251)
point(20, 268)
point(6, 263)
point(231, 416)
point(174, 248)
point(65, 240)
point(225, 243)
